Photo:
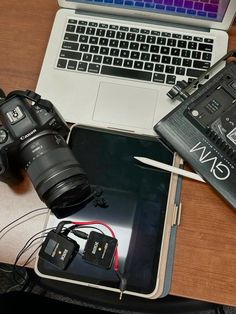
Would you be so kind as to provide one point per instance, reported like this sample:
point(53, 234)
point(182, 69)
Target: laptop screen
point(212, 10)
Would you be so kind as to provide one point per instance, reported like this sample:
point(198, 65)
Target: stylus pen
point(161, 165)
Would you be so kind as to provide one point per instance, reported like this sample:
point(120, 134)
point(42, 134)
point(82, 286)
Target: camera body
point(20, 123)
point(33, 137)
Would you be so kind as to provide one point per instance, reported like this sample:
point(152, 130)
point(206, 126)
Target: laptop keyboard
point(135, 53)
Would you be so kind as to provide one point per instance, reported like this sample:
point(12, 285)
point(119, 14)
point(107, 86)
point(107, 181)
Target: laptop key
point(97, 58)
point(82, 66)
point(128, 63)
point(71, 37)
point(117, 61)
point(148, 66)
point(83, 39)
point(206, 56)
point(70, 28)
point(87, 57)
point(80, 29)
point(201, 64)
point(130, 36)
point(124, 44)
point(100, 32)
point(205, 47)
point(134, 46)
point(159, 67)
point(70, 45)
point(171, 42)
point(110, 34)
point(159, 78)
point(93, 24)
point(127, 73)
point(196, 55)
point(151, 39)
point(81, 22)
point(180, 71)
point(170, 69)
point(182, 43)
point(113, 43)
point(84, 47)
point(70, 54)
point(138, 64)
point(107, 60)
point(93, 40)
point(94, 49)
point(94, 68)
point(120, 35)
point(155, 58)
point(166, 59)
point(61, 63)
point(72, 64)
point(135, 55)
point(102, 25)
point(194, 72)
point(176, 61)
point(72, 21)
point(170, 79)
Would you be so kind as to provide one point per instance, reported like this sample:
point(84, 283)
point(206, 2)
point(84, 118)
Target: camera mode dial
point(3, 136)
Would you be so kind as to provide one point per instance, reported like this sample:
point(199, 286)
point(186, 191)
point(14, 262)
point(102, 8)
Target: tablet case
point(41, 267)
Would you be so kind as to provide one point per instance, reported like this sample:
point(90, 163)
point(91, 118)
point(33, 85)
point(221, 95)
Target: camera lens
point(54, 171)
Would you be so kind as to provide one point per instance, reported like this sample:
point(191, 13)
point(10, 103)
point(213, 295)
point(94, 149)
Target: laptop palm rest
point(125, 105)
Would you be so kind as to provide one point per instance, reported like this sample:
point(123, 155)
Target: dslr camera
point(33, 137)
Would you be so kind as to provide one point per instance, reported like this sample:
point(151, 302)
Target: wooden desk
point(205, 257)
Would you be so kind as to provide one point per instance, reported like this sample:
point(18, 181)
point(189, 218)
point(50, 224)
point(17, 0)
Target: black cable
point(71, 228)
point(31, 238)
point(23, 267)
point(27, 245)
point(14, 221)
point(19, 255)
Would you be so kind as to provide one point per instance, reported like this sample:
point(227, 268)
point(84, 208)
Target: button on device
point(233, 85)
point(15, 115)
point(3, 136)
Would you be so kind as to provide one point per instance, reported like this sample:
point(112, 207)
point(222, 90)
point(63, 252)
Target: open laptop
point(110, 63)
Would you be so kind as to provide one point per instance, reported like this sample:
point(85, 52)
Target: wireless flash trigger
point(58, 250)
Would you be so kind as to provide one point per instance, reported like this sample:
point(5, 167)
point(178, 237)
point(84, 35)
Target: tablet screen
point(136, 196)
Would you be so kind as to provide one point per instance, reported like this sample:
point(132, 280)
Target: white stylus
point(173, 169)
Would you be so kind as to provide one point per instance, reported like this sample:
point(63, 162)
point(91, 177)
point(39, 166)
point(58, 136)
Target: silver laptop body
point(110, 63)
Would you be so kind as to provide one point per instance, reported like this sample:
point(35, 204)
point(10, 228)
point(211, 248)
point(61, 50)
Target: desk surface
point(205, 256)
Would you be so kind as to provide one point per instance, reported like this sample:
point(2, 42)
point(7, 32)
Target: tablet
point(141, 205)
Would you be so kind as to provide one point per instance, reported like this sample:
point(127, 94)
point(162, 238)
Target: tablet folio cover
point(42, 267)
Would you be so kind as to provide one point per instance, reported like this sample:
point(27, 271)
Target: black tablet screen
point(136, 196)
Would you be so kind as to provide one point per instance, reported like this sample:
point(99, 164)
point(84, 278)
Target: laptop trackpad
point(125, 105)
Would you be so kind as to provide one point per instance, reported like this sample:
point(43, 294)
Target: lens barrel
point(54, 171)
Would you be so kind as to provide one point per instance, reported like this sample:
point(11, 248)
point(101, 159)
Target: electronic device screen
point(195, 9)
point(136, 196)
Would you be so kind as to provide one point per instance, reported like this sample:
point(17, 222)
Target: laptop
point(110, 63)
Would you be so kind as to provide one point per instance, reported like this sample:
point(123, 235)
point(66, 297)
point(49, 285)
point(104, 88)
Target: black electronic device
point(202, 129)
point(99, 249)
point(58, 250)
point(33, 137)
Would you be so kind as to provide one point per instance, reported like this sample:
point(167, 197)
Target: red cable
point(98, 222)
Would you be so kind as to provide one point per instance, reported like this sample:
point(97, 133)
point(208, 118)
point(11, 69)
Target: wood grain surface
point(205, 255)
